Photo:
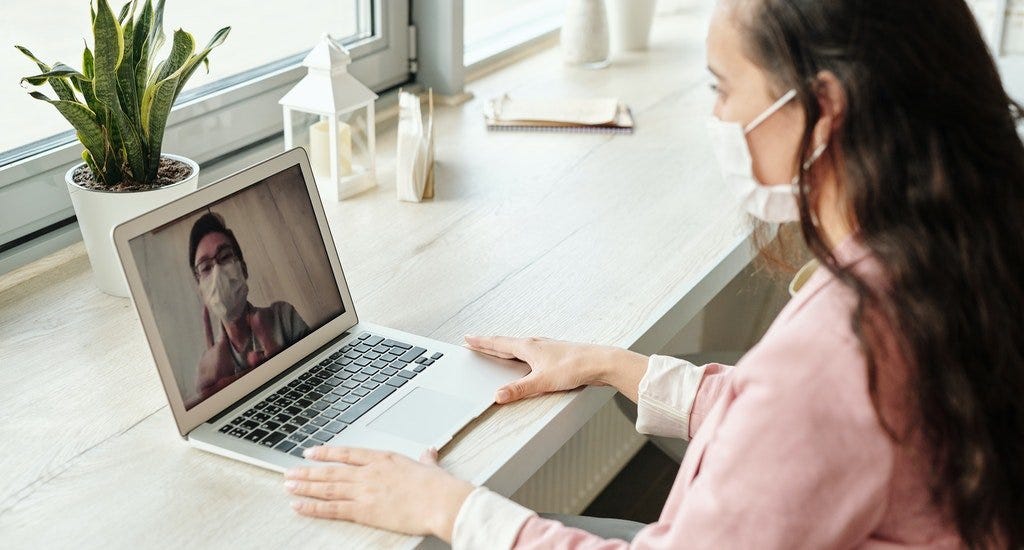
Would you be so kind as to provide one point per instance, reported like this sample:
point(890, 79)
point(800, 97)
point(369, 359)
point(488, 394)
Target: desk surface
point(596, 238)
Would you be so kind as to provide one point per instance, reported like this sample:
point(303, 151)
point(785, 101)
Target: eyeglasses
point(224, 256)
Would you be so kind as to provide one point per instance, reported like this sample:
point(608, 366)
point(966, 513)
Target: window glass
point(262, 32)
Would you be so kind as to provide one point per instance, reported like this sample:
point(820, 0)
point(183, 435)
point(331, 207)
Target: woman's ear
point(832, 105)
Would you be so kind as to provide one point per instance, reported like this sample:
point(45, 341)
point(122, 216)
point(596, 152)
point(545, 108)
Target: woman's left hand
point(379, 489)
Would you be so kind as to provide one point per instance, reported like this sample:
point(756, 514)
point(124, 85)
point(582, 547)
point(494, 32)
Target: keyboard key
point(370, 385)
point(304, 376)
point(322, 389)
point(412, 354)
point(288, 428)
point(297, 451)
point(371, 355)
point(406, 373)
point(295, 383)
point(362, 348)
point(369, 371)
point(335, 427)
point(341, 406)
point(309, 443)
point(353, 368)
point(351, 384)
point(293, 410)
point(388, 371)
point(362, 362)
point(261, 417)
point(380, 378)
point(360, 377)
point(437, 356)
point(330, 398)
point(256, 435)
point(397, 382)
point(272, 409)
point(334, 381)
point(352, 355)
point(283, 401)
point(303, 403)
point(308, 429)
point(281, 418)
point(350, 399)
point(367, 403)
point(238, 420)
point(378, 364)
point(270, 425)
point(323, 435)
point(427, 362)
point(273, 439)
point(395, 344)
point(360, 392)
point(330, 413)
point(308, 414)
point(226, 428)
point(419, 368)
point(259, 406)
point(284, 446)
point(238, 432)
point(299, 420)
point(373, 340)
point(336, 355)
point(304, 388)
point(250, 424)
point(318, 421)
point(326, 362)
point(420, 360)
point(297, 437)
point(364, 336)
point(389, 357)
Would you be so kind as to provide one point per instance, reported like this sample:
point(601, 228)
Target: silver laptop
point(242, 298)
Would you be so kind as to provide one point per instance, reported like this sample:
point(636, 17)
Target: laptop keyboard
point(331, 395)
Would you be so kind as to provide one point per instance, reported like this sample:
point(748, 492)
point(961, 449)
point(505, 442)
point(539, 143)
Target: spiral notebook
point(590, 115)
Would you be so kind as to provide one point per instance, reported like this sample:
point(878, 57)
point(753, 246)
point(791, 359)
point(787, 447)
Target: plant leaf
point(140, 47)
point(126, 82)
point(60, 86)
point(58, 70)
point(109, 44)
point(183, 46)
point(156, 30)
point(158, 109)
point(85, 123)
point(218, 38)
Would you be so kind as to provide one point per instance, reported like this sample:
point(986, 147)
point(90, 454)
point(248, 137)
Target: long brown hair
point(932, 172)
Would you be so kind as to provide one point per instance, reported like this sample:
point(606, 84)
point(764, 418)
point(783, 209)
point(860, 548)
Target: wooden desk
point(597, 238)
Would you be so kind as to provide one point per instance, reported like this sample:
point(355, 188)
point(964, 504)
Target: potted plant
point(118, 105)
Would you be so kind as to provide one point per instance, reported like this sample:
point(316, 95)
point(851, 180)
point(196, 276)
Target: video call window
point(233, 284)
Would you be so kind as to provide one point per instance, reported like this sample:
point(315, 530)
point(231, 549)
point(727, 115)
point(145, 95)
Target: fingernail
point(468, 336)
point(291, 485)
point(502, 396)
point(310, 452)
point(296, 505)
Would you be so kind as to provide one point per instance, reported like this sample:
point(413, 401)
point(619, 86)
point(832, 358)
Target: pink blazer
point(786, 449)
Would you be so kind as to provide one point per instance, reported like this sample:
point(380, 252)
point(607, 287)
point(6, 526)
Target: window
point(232, 107)
point(493, 26)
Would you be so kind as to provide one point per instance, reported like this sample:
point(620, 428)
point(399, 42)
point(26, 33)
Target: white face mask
point(225, 290)
point(771, 203)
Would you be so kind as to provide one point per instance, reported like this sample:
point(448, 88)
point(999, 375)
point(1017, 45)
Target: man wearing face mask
point(246, 335)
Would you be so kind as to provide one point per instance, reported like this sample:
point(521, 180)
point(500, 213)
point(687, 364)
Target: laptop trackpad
point(423, 416)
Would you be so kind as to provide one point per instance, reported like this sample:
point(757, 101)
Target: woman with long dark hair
point(885, 405)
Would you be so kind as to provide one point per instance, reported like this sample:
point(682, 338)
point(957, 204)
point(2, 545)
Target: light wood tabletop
point(596, 238)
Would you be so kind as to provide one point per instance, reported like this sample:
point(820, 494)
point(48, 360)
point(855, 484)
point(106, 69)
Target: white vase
point(100, 211)
point(585, 34)
point(629, 24)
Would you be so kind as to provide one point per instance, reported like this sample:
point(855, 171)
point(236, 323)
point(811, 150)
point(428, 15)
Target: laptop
point(245, 306)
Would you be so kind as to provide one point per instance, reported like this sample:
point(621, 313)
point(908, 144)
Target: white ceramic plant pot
point(629, 24)
point(99, 212)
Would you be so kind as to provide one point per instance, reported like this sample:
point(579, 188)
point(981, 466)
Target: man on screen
point(247, 335)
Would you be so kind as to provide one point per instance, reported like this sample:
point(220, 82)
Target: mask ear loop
point(815, 155)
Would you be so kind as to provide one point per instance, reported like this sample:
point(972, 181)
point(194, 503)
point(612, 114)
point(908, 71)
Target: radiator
point(583, 467)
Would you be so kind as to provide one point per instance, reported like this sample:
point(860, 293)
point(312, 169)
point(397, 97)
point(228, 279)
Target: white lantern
point(340, 141)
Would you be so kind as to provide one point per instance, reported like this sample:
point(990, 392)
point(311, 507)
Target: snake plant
point(119, 102)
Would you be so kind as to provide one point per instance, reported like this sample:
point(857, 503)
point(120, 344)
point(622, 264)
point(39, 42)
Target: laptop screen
point(234, 283)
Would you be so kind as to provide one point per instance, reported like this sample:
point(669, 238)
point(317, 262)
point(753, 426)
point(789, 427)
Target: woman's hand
point(379, 489)
point(557, 366)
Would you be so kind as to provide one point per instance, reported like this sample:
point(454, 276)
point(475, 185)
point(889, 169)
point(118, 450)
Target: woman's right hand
point(557, 366)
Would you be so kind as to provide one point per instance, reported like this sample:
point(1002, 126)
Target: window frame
point(244, 112)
